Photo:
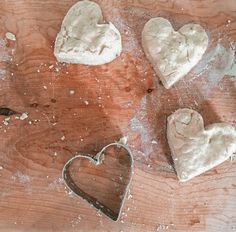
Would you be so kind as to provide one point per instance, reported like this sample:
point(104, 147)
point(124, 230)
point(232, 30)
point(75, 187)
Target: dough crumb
point(24, 116)
point(123, 140)
point(10, 36)
point(6, 121)
point(72, 92)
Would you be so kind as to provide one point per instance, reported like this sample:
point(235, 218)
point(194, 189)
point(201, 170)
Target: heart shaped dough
point(195, 149)
point(83, 38)
point(173, 53)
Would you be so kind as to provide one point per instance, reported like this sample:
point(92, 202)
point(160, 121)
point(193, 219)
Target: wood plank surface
point(79, 108)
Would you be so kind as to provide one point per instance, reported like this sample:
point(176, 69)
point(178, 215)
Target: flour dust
point(21, 178)
point(215, 65)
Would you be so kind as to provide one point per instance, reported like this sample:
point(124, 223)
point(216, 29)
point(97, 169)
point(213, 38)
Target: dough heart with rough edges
point(196, 149)
point(173, 53)
point(85, 39)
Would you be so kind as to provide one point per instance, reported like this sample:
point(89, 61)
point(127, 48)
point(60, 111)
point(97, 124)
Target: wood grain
point(124, 98)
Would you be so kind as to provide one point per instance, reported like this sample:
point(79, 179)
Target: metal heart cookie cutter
point(95, 162)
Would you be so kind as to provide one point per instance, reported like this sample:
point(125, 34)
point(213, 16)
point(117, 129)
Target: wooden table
point(79, 108)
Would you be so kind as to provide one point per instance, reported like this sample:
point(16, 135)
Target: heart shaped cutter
point(97, 160)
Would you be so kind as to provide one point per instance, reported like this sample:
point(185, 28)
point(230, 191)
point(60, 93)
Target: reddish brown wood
point(32, 151)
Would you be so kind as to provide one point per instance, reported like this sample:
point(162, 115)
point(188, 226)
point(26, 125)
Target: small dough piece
point(10, 36)
point(194, 149)
point(173, 53)
point(85, 39)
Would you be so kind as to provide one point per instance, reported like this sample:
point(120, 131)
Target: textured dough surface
point(195, 149)
point(84, 39)
point(173, 53)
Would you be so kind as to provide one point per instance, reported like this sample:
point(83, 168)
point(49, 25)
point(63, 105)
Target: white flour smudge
point(143, 103)
point(20, 177)
point(56, 184)
point(222, 58)
point(4, 52)
point(5, 56)
point(76, 221)
point(216, 64)
point(2, 74)
point(131, 43)
point(138, 124)
point(162, 227)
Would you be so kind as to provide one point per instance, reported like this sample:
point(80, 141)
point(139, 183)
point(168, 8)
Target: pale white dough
point(195, 149)
point(85, 39)
point(10, 36)
point(173, 53)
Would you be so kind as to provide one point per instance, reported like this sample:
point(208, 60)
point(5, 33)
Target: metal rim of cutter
point(96, 160)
